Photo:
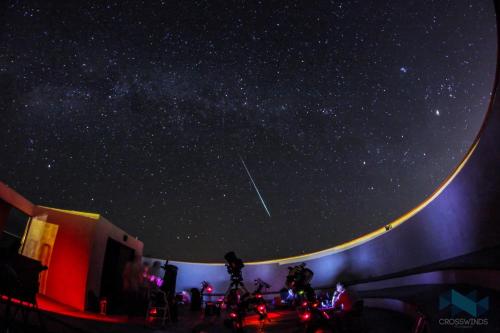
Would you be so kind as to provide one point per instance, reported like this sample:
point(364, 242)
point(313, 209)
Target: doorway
point(116, 257)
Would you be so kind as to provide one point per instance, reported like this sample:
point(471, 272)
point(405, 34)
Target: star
point(147, 125)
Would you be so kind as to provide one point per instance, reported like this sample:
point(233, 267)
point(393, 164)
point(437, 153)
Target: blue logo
point(464, 303)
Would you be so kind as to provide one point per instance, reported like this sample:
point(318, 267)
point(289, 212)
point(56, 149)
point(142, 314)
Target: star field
point(346, 113)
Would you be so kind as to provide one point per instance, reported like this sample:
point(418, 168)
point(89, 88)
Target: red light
point(306, 316)
point(15, 300)
point(209, 289)
point(153, 311)
point(261, 308)
point(304, 304)
point(232, 315)
point(258, 295)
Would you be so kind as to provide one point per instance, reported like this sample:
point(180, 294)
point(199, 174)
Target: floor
point(72, 321)
point(60, 318)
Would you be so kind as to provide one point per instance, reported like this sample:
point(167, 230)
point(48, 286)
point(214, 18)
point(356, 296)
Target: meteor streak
point(255, 186)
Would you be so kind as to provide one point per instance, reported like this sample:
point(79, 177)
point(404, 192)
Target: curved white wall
point(463, 218)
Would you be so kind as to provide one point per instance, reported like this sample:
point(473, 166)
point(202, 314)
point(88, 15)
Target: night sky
point(269, 128)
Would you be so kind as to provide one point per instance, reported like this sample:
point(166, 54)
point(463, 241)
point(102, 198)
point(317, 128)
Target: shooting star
point(255, 186)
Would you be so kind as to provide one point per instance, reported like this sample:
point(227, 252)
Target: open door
point(38, 242)
point(115, 259)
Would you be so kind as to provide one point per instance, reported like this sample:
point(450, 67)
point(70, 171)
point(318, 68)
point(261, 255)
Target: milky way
point(347, 113)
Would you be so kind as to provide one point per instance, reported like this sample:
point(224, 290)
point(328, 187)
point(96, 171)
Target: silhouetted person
point(132, 283)
point(155, 273)
point(195, 299)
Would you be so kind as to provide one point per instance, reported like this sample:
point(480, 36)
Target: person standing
point(132, 281)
